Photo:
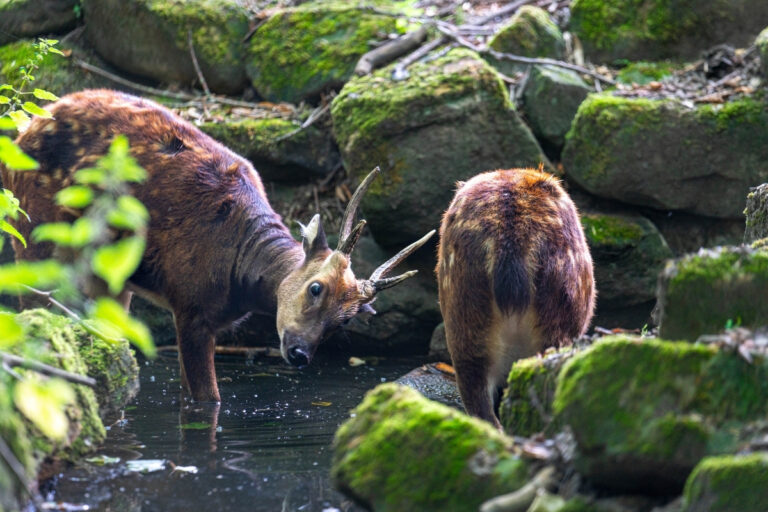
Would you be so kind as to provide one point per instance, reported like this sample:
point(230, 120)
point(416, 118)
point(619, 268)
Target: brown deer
point(215, 249)
point(514, 277)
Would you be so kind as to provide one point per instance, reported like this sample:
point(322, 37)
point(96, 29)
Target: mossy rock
point(402, 452)
point(530, 32)
point(309, 153)
point(304, 51)
point(151, 38)
point(30, 18)
point(704, 292)
point(530, 381)
point(550, 100)
point(13, 431)
point(628, 253)
point(762, 46)
point(643, 72)
point(650, 29)
point(56, 74)
point(644, 412)
point(727, 483)
point(757, 214)
point(449, 120)
point(661, 154)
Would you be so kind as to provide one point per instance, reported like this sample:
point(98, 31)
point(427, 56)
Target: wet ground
point(267, 447)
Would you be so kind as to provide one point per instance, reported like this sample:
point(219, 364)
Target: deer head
point(323, 292)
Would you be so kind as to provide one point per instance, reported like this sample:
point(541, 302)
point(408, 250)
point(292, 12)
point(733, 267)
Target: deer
point(514, 276)
point(215, 248)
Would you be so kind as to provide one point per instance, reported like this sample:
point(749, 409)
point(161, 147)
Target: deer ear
point(314, 236)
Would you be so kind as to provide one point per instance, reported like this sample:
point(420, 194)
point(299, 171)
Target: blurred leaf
point(13, 157)
point(115, 263)
point(6, 87)
point(195, 425)
point(76, 196)
point(121, 163)
point(4, 100)
point(36, 110)
point(44, 95)
point(112, 317)
point(90, 176)
point(10, 331)
point(102, 460)
point(58, 52)
point(78, 234)
point(20, 119)
point(6, 123)
point(129, 214)
point(4, 226)
point(43, 403)
point(83, 232)
point(9, 205)
point(37, 274)
point(145, 466)
point(50, 42)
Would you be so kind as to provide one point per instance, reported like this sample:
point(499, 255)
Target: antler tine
point(392, 262)
point(354, 204)
point(354, 236)
point(389, 282)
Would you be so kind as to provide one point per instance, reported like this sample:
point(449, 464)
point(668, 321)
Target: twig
point(248, 352)
point(533, 397)
point(46, 369)
point(503, 12)
point(400, 73)
point(390, 51)
point(18, 471)
point(196, 64)
point(521, 499)
point(314, 116)
point(159, 92)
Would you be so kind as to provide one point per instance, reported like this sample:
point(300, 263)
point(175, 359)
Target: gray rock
point(435, 382)
point(438, 346)
point(757, 214)
point(30, 18)
point(151, 38)
point(762, 46)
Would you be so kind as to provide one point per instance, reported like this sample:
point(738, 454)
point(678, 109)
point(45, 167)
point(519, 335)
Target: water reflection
point(267, 447)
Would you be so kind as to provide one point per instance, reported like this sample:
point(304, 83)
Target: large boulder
point(551, 99)
point(450, 120)
point(275, 150)
point(665, 155)
point(704, 292)
point(644, 412)
point(757, 214)
point(628, 252)
point(727, 483)
point(151, 38)
point(301, 52)
point(30, 18)
point(653, 30)
point(402, 452)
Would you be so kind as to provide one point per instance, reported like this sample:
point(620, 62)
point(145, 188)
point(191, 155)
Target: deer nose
point(297, 356)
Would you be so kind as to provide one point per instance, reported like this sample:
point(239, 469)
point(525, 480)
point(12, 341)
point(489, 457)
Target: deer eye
point(315, 289)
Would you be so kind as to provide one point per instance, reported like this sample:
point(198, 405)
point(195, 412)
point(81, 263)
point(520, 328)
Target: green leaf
point(13, 157)
point(111, 316)
point(42, 94)
point(50, 42)
point(115, 263)
point(35, 110)
point(36, 274)
point(4, 100)
point(76, 196)
point(195, 425)
point(129, 214)
point(6, 123)
point(102, 460)
point(83, 232)
point(56, 51)
point(78, 234)
point(44, 403)
point(121, 163)
point(10, 330)
point(6, 87)
point(4, 226)
point(90, 176)
point(20, 119)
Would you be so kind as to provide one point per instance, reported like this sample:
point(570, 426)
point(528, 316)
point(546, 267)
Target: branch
point(520, 500)
point(314, 116)
point(390, 51)
point(196, 64)
point(248, 352)
point(18, 471)
point(45, 369)
point(400, 73)
point(503, 12)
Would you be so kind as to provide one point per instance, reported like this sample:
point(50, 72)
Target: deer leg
point(473, 382)
point(196, 351)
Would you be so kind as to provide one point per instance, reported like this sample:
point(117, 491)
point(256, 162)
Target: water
point(266, 447)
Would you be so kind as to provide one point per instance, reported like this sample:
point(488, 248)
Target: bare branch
point(12, 361)
point(18, 471)
point(313, 117)
point(196, 64)
point(504, 12)
point(390, 51)
point(400, 73)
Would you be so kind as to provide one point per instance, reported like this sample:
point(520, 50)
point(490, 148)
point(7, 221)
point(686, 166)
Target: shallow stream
point(266, 447)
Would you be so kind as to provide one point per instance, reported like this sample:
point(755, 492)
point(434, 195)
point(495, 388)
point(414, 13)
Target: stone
point(308, 154)
point(402, 452)
point(645, 412)
point(530, 32)
point(756, 213)
point(150, 38)
point(30, 18)
point(301, 52)
point(663, 155)
point(435, 381)
point(551, 98)
point(628, 253)
point(728, 482)
point(449, 120)
point(647, 29)
point(707, 291)
point(762, 46)
point(438, 345)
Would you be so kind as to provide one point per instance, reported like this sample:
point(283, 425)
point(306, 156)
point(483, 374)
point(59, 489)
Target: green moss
point(13, 430)
point(643, 72)
point(530, 32)
point(610, 230)
point(303, 51)
point(400, 451)
point(720, 484)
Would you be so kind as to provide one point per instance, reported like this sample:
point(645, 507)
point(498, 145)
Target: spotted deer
point(514, 278)
point(215, 248)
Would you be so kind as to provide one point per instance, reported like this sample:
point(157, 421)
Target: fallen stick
point(248, 352)
point(199, 71)
point(520, 500)
point(400, 73)
point(389, 51)
point(12, 361)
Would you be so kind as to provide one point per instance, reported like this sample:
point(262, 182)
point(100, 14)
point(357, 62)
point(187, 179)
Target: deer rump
point(215, 248)
point(514, 278)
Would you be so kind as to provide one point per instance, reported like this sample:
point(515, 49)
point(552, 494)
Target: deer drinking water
point(514, 278)
point(215, 249)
